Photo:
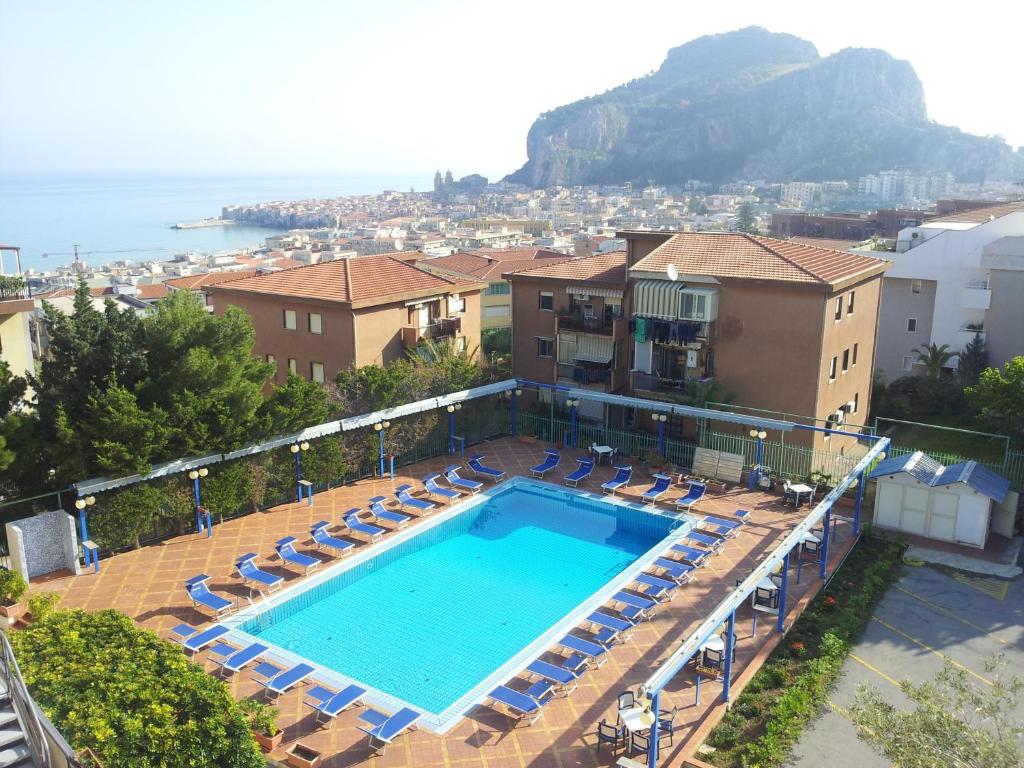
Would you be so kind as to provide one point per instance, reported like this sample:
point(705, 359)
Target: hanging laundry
point(641, 330)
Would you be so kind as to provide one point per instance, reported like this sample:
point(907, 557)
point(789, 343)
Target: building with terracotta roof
point(956, 276)
point(569, 324)
point(320, 319)
point(200, 284)
point(780, 325)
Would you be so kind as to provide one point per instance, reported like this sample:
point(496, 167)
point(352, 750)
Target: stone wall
point(43, 543)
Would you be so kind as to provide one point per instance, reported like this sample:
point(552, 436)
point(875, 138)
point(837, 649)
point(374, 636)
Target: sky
point(395, 87)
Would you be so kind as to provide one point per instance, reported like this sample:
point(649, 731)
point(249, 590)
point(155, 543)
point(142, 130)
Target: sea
point(128, 216)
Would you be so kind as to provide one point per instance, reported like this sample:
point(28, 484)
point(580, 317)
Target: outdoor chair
point(562, 678)
point(519, 705)
point(322, 538)
point(432, 487)
point(288, 554)
point(551, 460)
point(476, 464)
point(329, 704)
point(626, 700)
point(610, 734)
point(380, 512)
point(582, 472)
point(383, 729)
point(622, 475)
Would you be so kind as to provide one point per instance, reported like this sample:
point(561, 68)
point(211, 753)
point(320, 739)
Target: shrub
point(127, 516)
point(261, 717)
point(132, 698)
point(41, 604)
point(12, 587)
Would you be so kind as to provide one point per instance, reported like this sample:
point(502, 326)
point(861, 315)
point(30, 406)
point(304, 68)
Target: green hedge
point(135, 700)
point(789, 690)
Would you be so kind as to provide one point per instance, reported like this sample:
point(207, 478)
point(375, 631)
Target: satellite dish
point(673, 272)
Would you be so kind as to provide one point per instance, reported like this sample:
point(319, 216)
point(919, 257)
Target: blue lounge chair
point(612, 629)
point(476, 464)
point(641, 607)
point(435, 489)
point(252, 574)
point(549, 463)
point(383, 729)
point(329, 704)
point(659, 590)
point(693, 555)
point(451, 474)
point(193, 641)
point(357, 526)
point(727, 529)
point(582, 472)
point(287, 552)
point(232, 659)
point(680, 573)
point(276, 681)
point(594, 652)
point(324, 539)
point(713, 544)
point(742, 515)
point(521, 705)
point(661, 484)
point(693, 494)
point(200, 594)
point(564, 679)
point(404, 495)
point(622, 475)
point(576, 663)
point(380, 512)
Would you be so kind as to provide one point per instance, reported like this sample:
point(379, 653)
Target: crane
point(77, 254)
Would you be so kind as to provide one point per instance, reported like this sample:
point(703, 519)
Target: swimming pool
point(434, 616)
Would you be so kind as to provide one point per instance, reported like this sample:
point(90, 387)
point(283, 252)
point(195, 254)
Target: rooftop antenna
point(673, 272)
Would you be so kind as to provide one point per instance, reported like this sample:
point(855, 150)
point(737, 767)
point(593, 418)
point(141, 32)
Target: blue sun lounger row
point(380, 512)
point(434, 488)
point(405, 498)
point(286, 551)
point(451, 474)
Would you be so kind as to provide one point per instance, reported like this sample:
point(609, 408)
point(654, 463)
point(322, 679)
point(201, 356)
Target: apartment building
point(320, 319)
point(200, 284)
point(952, 277)
point(569, 324)
point(18, 325)
point(782, 326)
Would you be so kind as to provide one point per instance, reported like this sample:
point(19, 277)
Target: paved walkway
point(147, 584)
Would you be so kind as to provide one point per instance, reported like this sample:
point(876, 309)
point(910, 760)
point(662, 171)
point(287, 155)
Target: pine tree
point(973, 360)
point(746, 221)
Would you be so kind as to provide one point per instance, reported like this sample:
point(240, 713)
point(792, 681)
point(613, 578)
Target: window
point(832, 369)
point(272, 359)
point(498, 289)
point(501, 311)
point(293, 366)
point(289, 319)
point(546, 301)
point(846, 360)
point(911, 324)
point(839, 308)
point(908, 362)
point(854, 361)
point(316, 372)
point(915, 286)
point(693, 306)
point(456, 305)
point(315, 323)
point(849, 303)
point(545, 347)
point(856, 402)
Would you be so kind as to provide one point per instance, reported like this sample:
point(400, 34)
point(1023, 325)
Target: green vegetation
point(953, 722)
point(746, 221)
point(789, 690)
point(42, 604)
point(12, 587)
point(998, 398)
point(133, 699)
point(934, 359)
point(496, 341)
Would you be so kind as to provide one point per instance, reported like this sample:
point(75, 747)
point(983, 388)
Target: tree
point(121, 521)
point(999, 397)
point(973, 360)
point(953, 722)
point(12, 393)
point(746, 220)
point(443, 367)
point(300, 403)
point(934, 359)
point(696, 206)
point(124, 437)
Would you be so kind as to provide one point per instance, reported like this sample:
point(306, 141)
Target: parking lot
point(929, 616)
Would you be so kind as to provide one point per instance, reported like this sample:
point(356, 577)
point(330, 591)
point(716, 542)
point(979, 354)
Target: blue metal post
point(392, 468)
point(85, 536)
point(652, 744)
point(513, 413)
point(661, 437)
point(298, 475)
point(380, 435)
point(781, 622)
point(730, 646)
point(572, 426)
point(756, 474)
point(799, 560)
point(199, 504)
point(696, 700)
point(856, 507)
point(823, 557)
point(451, 432)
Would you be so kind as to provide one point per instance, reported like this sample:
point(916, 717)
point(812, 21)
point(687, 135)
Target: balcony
point(598, 326)
point(586, 373)
point(976, 294)
point(654, 387)
point(444, 328)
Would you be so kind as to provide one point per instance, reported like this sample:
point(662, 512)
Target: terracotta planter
point(300, 755)
point(268, 743)
point(12, 612)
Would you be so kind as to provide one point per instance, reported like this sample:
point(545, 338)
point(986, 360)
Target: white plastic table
point(801, 490)
point(602, 451)
point(634, 720)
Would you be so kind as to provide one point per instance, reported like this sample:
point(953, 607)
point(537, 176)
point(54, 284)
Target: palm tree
point(934, 359)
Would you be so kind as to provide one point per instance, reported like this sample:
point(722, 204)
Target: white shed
point(918, 495)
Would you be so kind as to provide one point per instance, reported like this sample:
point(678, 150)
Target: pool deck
point(148, 584)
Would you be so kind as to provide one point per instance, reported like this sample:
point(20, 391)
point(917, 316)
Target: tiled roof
point(979, 215)
point(485, 267)
point(151, 291)
point(193, 282)
point(824, 242)
point(727, 254)
point(601, 268)
point(928, 471)
point(349, 280)
point(517, 254)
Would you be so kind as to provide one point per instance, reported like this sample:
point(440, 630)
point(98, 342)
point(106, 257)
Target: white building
point(800, 192)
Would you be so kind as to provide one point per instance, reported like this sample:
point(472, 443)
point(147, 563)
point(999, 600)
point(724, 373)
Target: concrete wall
point(529, 322)
point(15, 336)
point(42, 544)
point(899, 303)
point(1004, 321)
point(501, 302)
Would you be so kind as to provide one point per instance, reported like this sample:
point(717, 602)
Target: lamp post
point(515, 393)
point(660, 419)
point(379, 427)
point(297, 449)
point(572, 403)
point(451, 425)
point(194, 476)
point(755, 473)
point(89, 550)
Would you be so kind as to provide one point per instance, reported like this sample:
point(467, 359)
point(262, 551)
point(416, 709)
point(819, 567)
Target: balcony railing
point(657, 387)
point(585, 374)
point(601, 326)
point(444, 328)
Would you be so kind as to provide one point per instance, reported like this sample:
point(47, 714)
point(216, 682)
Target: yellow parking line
point(950, 614)
point(874, 669)
point(927, 647)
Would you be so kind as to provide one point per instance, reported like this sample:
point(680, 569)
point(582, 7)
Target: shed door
point(943, 522)
point(972, 520)
point(915, 511)
point(887, 507)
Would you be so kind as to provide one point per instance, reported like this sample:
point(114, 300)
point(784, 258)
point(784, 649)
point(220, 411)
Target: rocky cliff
point(755, 104)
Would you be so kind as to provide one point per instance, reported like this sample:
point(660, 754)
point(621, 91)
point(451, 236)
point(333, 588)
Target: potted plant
point(657, 462)
point(302, 755)
point(12, 588)
point(263, 724)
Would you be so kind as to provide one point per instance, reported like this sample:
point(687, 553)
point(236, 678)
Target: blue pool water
point(436, 615)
